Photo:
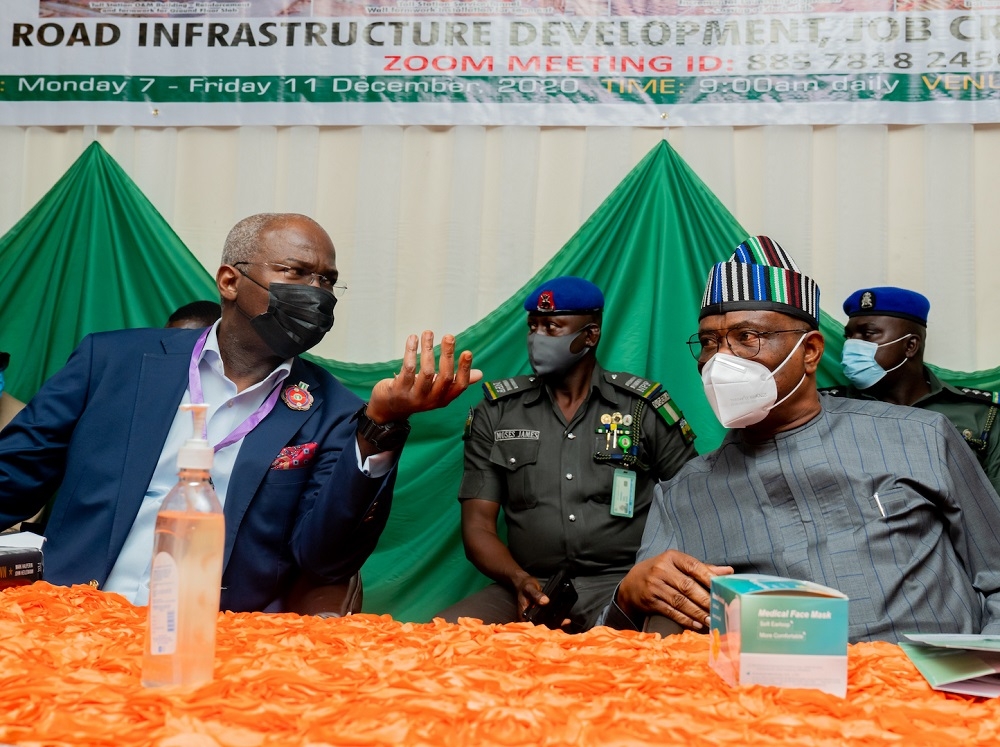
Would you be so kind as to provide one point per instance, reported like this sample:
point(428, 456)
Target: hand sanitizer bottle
point(186, 575)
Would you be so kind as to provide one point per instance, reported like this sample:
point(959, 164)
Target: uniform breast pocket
point(600, 482)
point(517, 457)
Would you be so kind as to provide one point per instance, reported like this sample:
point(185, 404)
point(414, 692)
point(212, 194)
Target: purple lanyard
point(198, 398)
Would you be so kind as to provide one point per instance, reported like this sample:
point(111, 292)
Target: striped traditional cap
point(760, 275)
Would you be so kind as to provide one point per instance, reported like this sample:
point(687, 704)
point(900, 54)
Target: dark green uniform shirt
point(554, 479)
point(973, 411)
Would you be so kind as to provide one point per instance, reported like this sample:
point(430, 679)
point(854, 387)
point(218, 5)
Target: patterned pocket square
point(295, 457)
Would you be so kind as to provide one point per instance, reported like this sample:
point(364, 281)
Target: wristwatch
point(383, 436)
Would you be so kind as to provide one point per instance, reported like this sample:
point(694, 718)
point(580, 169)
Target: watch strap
point(383, 436)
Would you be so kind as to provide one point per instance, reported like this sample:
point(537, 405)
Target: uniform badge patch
point(666, 407)
point(467, 433)
point(657, 397)
point(516, 434)
point(501, 388)
point(686, 431)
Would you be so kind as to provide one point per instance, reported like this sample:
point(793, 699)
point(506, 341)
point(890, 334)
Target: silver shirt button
point(572, 517)
point(569, 476)
point(570, 436)
point(512, 460)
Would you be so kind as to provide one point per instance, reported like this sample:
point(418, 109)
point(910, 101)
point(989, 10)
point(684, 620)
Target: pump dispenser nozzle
point(196, 453)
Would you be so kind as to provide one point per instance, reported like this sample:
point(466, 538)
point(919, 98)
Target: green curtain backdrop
point(648, 246)
point(92, 255)
point(95, 255)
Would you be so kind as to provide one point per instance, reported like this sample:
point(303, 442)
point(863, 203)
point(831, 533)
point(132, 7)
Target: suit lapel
point(259, 449)
point(162, 383)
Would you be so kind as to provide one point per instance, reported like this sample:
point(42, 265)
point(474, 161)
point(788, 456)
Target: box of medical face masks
point(768, 630)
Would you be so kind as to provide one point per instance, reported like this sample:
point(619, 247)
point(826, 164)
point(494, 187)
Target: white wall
point(436, 226)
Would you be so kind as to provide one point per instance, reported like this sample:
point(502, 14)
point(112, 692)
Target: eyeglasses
point(301, 276)
point(744, 343)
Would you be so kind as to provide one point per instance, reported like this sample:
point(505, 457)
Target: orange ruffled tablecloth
point(70, 661)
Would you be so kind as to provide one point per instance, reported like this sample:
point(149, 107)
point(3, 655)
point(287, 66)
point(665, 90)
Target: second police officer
point(883, 359)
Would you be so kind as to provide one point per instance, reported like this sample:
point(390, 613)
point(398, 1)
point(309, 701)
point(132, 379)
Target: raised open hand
point(416, 390)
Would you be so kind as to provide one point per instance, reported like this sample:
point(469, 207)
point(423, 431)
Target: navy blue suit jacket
point(95, 431)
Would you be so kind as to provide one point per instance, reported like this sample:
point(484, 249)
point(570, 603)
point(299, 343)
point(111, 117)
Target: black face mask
point(297, 317)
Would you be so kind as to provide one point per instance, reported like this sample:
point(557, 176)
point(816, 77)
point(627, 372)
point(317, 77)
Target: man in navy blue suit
point(304, 468)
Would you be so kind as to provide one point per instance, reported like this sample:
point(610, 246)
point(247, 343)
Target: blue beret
point(565, 295)
point(888, 301)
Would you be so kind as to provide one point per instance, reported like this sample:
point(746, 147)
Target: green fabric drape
point(95, 255)
point(92, 255)
point(648, 246)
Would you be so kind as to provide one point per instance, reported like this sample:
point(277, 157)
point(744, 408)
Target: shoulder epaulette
point(494, 390)
point(657, 397)
point(980, 395)
point(834, 391)
point(979, 442)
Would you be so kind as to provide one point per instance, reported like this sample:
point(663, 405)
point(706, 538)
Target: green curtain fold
point(648, 246)
point(94, 254)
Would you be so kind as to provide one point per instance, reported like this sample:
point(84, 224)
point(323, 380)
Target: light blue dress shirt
point(227, 409)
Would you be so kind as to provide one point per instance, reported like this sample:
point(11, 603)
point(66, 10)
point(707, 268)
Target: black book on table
point(20, 566)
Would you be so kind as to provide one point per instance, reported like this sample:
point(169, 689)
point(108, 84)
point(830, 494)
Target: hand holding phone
point(562, 596)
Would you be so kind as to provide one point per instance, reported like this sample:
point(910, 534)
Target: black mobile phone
point(562, 596)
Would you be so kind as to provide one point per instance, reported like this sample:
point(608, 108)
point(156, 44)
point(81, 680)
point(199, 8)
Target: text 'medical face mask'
point(859, 364)
point(741, 391)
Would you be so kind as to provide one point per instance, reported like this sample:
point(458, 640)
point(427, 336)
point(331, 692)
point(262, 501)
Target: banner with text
point(499, 62)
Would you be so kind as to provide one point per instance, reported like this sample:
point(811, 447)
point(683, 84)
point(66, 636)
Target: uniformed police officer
point(883, 359)
point(572, 455)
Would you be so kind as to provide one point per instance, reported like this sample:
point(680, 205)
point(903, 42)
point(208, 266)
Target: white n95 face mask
point(742, 392)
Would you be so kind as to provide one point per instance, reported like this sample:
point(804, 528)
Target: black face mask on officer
point(297, 317)
point(551, 355)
